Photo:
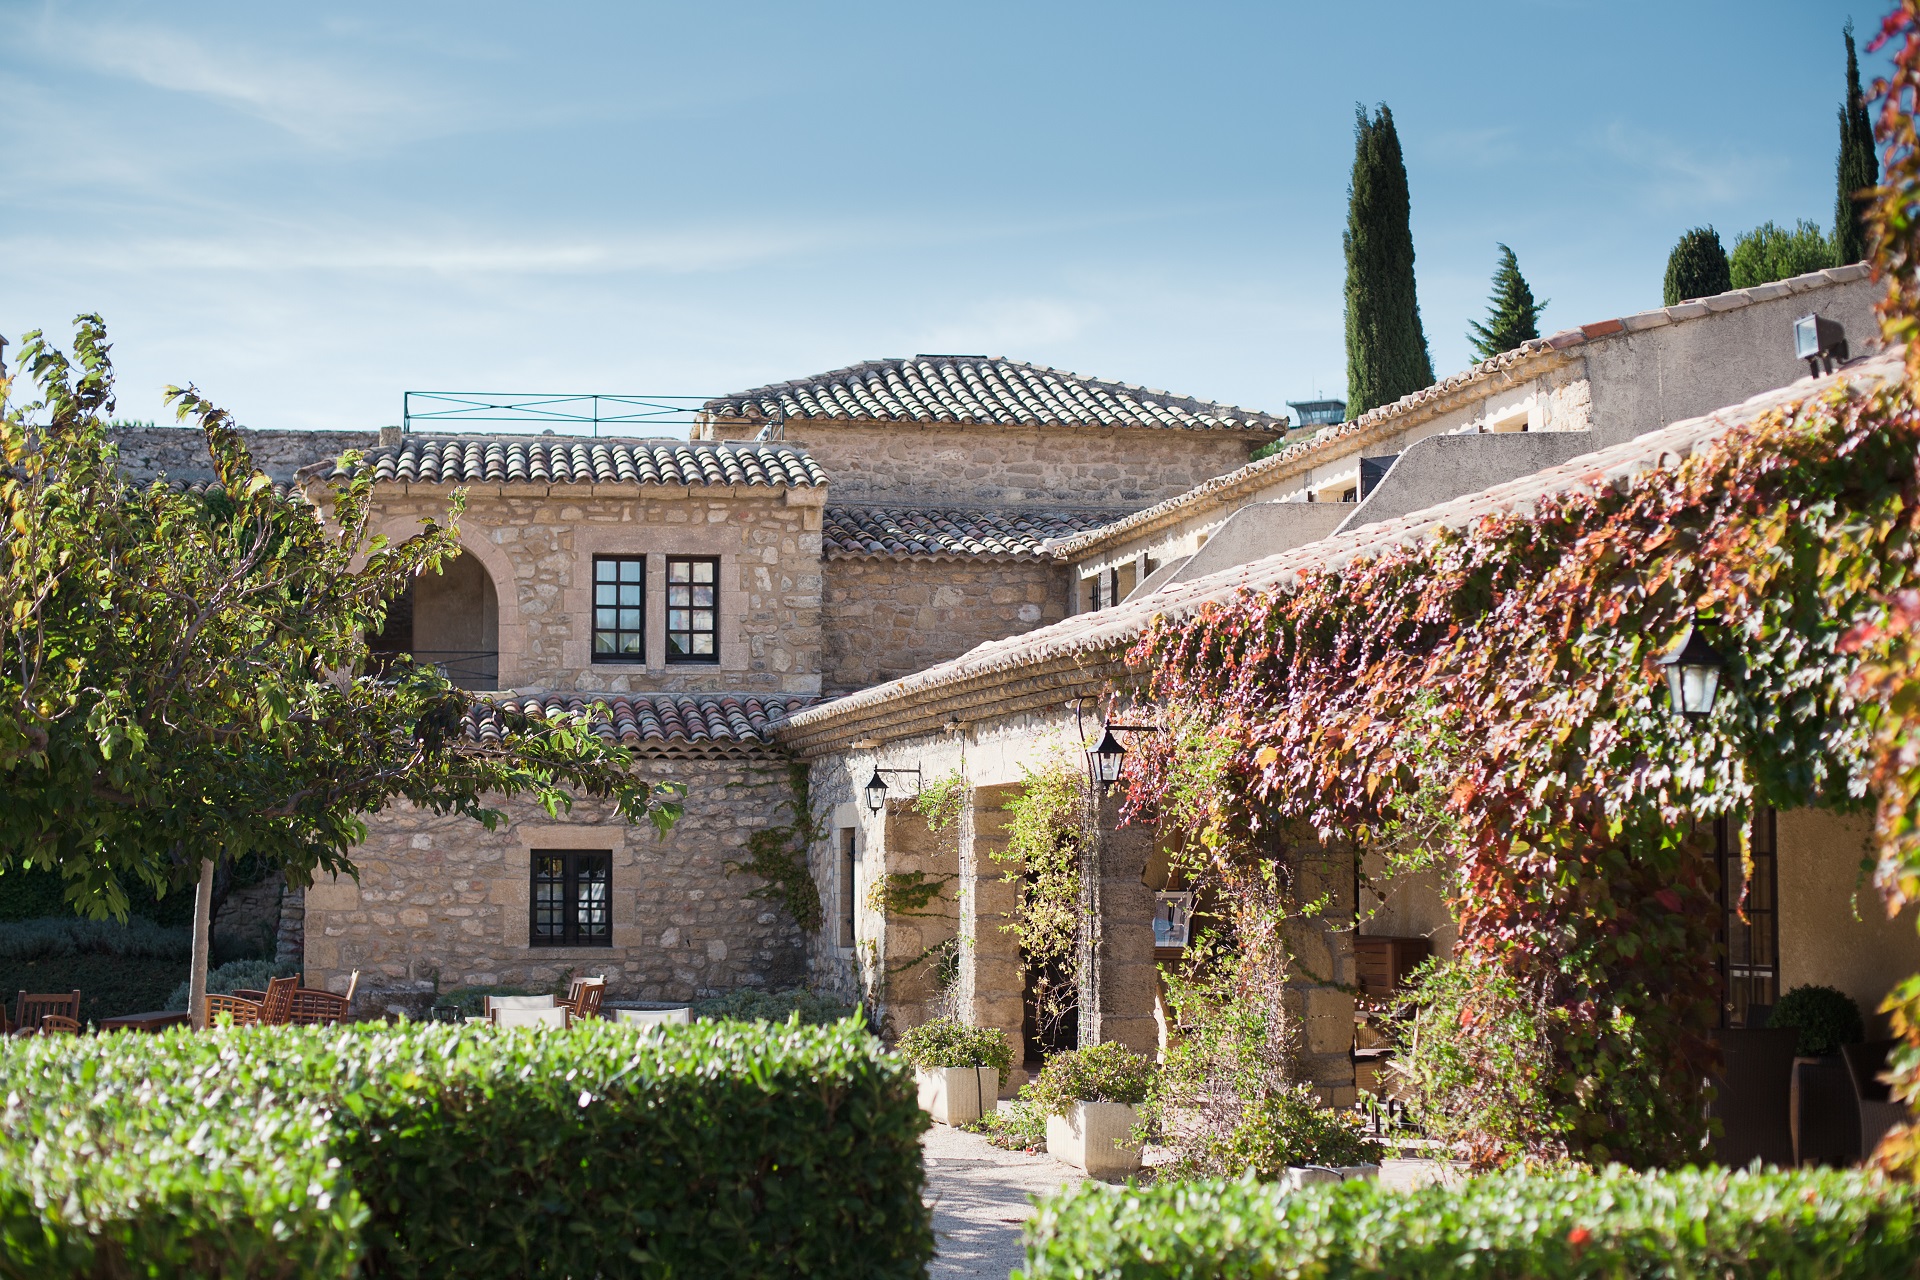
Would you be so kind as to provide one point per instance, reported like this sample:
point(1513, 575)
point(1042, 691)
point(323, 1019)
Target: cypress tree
point(1386, 347)
point(1697, 267)
point(1512, 314)
point(1857, 167)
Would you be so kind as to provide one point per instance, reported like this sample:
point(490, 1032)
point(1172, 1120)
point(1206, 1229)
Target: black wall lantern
point(1105, 756)
point(1693, 673)
point(876, 787)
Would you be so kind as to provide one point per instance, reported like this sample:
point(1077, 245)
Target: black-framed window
point(693, 609)
point(1749, 920)
point(571, 904)
point(619, 608)
point(847, 901)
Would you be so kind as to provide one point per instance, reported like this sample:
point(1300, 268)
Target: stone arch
point(464, 619)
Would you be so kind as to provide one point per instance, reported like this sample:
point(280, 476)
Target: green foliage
point(72, 936)
point(109, 985)
point(1386, 346)
point(1768, 253)
point(1825, 1017)
point(1513, 317)
point(425, 1150)
point(1566, 1225)
point(1017, 1124)
point(906, 893)
point(30, 894)
point(1105, 1072)
point(1855, 169)
point(236, 975)
point(1046, 841)
point(751, 1005)
point(186, 677)
point(942, 800)
point(948, 1042)
point(1697, 268)
point(778, 855)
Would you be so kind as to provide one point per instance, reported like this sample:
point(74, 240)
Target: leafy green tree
point(1512, 314)
point(184, 679)
point(1386, 347)
point(1856, 169)
point(1697, 267)
point(1770, 252)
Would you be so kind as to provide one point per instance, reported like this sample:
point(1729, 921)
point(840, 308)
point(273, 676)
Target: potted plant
point(1091, 1097)
point(1821, 1109)
point(958, 1068)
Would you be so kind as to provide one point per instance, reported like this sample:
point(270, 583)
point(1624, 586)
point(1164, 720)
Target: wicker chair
point(31, 1008)
point(245, 1013)
point(585, 996)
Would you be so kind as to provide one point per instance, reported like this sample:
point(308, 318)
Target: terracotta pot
point(957, 1095)
point(1096, 1137)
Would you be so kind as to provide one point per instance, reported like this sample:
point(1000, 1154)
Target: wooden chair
point(584, 997)
point(554, 1015)
point(56, 1024)
point(30, 1008)
point(276, 1006)
point(246, 1013)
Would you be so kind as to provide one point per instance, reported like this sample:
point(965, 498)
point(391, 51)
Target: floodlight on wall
point(1693, 672)
point(1821, 342)
point(876, 787)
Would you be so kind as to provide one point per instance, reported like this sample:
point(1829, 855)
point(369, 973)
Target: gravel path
point(979, 1198)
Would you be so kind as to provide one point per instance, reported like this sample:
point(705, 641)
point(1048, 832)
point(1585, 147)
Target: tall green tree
point(1512, 315)
point(1856, 169)
point(1386, 347)
point(1770, 252)
point(185, 681)
point(1697, 267)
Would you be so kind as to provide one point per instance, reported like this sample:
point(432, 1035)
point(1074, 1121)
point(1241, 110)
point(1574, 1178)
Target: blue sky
point(308, 210)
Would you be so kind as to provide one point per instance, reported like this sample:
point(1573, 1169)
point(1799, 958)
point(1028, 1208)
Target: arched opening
point(449, 620)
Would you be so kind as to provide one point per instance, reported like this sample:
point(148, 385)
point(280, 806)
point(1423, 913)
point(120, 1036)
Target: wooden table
point(144, 1021)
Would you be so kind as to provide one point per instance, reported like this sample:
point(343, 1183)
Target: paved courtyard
point(979, 1198)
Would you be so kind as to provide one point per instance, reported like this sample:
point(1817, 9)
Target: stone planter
point(957, 1095)
point(1826, 1120)
point(1096, 1137)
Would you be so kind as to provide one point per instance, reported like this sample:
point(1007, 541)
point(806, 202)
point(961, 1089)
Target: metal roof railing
point(465, 412)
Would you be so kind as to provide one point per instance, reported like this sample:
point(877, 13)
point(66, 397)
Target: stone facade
point(440, 897)
point(884, 618)
point(180, 452)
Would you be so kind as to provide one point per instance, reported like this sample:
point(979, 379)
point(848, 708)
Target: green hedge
point(109, 985)
point(423, 1150)
point(1556, 1226)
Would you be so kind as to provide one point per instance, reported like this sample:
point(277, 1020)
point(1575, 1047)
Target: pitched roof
point(560, 460)
point(947, 533)
point(982, 389)
point(715, 721)
point(1079, 655)
point(1527, 360)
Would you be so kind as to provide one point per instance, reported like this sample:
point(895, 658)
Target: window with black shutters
point(572, 900)
point(693, 609)
point(619, 609)
point(1749, 921)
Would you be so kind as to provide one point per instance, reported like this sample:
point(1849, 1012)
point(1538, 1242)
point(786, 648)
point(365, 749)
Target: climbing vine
point(778, 855)
point(917, 893)
point(1046, 842)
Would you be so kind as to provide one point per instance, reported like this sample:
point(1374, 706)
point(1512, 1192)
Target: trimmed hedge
point(432, 1150)
point(1545, 1226)
point(109, 985)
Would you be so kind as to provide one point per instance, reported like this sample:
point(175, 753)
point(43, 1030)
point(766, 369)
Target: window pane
point(680, 595)
point(703, 596)
point(703, 571)
point(604, 619)
point(677, 620)
point(629, 595)
point(630, 643)
point(678, 570)
point(676, 643)
point(702, 642)
point(630, 620)
point(603, 642)
point(605, 570)
point(630, 570)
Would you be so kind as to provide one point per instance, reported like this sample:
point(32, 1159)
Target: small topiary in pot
point(948, 1042)
point(1824, 1017)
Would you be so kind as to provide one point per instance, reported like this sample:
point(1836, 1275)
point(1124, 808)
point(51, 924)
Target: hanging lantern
point(1693, 673)
point(876, 792)
point(1103, 761)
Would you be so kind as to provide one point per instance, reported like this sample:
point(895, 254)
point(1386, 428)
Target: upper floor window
point(572, 899)
point(619, 608)
point(693, 609)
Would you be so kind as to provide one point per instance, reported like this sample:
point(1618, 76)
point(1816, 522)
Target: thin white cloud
point(1011, 324)
point(1672, 175)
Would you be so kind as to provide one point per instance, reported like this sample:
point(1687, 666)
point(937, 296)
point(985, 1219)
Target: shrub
point(433, 1150)
point(1017, 1124)
point(235, 975)
point(1770, 252)
point(1279, 1132)
point(109, 985)
point(1697, 267)
point(1108, 1072)
point(1547, 1226)
point(1825, 1018)
point(948, 1042)
point(57, 936)
point(749, 1005)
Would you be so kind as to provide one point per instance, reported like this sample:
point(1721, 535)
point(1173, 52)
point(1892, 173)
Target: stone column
point(1323, 977)
point(913, 988)
point(992, 978)
point(1119, 984)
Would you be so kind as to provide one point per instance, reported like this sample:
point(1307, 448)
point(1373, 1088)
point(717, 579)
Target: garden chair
point(58, 1024)
point(31, 1008)
point(276, 1005)
point(315, 1008)
point(489, 1003)
point(584, 997)
point(1878, 1110)
point(245, 1013)
point(552, 1016)
point(1751, 1101)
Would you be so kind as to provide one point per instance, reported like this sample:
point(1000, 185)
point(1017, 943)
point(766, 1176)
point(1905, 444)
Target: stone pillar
point(290, 946)
point(992, 978)
point(1119, 984)
point(1323, 977)
point(913, 987)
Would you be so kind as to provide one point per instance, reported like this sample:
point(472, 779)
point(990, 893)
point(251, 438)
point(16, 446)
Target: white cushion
point(518, 1002)
point(654, 1017)
point(554, 1017)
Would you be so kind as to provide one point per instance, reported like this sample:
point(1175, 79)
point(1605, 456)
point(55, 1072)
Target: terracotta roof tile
point(696, 719)
point(982, 389)
point(948, 533)
point(561, 460)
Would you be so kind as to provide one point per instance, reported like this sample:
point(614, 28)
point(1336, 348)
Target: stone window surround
point(570, 837)
point(656, 543)
point(570, 880)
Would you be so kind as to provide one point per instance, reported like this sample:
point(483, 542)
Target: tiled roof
point(693, 719)
point(947, 533)
point(202, 488)
point(982, 389)
point(517, 460)
point(1524, 361)
point(1077, 656)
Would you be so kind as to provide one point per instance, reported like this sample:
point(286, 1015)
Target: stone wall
point(180, 452)
point(442, 896)
point(884, 619)
point(538, 548)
